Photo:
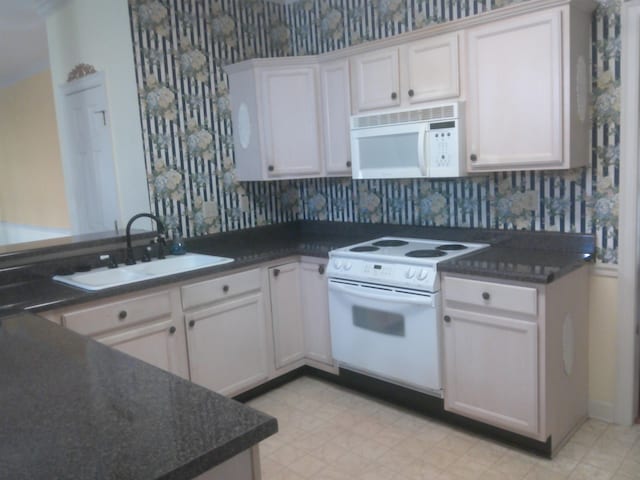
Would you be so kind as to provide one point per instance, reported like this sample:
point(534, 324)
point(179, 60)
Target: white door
point(90, 180)
point(375, 80)
point(334, 81)
point(491, 369)
point(315, 312)
point(515, 99)
point(286, 312)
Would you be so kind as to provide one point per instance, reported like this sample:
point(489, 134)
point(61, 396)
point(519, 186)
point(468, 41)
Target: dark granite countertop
point(535, 257)
point(73, 408)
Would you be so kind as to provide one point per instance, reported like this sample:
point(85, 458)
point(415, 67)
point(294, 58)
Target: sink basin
point(102, 278)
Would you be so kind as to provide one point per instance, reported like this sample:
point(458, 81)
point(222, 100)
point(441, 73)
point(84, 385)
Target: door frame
point(627, 357)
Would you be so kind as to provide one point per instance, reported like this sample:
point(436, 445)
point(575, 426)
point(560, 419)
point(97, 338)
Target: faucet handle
point(110, 259)
point(146, 256)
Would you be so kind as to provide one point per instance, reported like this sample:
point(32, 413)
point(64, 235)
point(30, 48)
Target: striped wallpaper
point(181, 45)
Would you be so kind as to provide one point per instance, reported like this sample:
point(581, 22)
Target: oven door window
point(378, 321)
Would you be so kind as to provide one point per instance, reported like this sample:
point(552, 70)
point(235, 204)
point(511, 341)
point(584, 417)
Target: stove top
point(403, 262)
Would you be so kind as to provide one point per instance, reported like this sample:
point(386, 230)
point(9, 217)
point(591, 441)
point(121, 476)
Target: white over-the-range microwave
point(425, 142)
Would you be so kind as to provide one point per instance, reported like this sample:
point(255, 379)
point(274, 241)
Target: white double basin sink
point(101, 278)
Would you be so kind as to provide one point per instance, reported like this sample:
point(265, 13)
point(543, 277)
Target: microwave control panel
point(444, 149)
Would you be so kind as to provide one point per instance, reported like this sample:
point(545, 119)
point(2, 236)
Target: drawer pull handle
point(486, 295)
point(192, 323)
point(321, 269)
point(276, 272)
point(225, 288)
point(172, 330)
point(447, 318)
point(122, 314)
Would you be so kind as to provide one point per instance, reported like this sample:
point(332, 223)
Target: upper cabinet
point(417, 72)
point(528, 92)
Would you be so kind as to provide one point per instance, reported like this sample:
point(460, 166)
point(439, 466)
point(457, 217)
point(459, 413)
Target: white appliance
point(385, 309)
point(428, 142)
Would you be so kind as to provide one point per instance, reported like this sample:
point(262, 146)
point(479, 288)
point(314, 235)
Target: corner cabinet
point(315, 314)
point(515, 354)
point(414, 73)
point(528, 91)
point(335, 99)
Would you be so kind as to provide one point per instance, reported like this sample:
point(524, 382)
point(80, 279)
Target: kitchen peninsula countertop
point(73, 408)
point(536, 257)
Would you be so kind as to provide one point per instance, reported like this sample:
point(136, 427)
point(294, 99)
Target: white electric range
point(384, 306)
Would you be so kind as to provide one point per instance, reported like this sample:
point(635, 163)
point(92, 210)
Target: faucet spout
point(130, 260)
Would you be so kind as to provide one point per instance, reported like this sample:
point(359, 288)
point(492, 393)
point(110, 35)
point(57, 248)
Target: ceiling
point(23, 49)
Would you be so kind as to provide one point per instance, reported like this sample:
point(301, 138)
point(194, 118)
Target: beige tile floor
point(331, 433)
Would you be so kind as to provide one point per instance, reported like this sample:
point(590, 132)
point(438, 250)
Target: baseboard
point(601, 410)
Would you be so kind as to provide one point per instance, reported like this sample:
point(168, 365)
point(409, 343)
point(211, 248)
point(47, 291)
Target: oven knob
point(423, 274)
point(410, 273)
point(337, 264)
point(347, 265)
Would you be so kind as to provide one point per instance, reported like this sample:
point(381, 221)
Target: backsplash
point(180, 47)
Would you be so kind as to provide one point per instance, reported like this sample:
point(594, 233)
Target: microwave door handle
point(383, 298)
point(422, 150)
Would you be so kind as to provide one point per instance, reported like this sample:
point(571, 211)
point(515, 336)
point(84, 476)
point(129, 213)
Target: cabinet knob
point(447, 318)
point(411, 92)
point(122, 314)
point(473, 157)
point(271, 168)
point(225, 288)
point(349, 164)
point(321, 269)
point(172, 330)
point(394, 95)
point(486, 295)
point(192, 323)
point(276, 272)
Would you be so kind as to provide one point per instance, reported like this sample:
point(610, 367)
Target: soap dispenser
point(177, 246)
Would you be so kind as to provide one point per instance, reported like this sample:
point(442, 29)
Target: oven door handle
point(406, 298)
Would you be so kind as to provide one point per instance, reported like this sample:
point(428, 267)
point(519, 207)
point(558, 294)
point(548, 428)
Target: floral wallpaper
point(180, 47)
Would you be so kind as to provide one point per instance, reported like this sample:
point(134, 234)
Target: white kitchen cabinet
point(335, 99)
point(276, 118)
point(315, 314)
point(515, 354)
point(528, 91)
point(227, 338)
point(286, 314)
point(146, 326)
point(414, 73)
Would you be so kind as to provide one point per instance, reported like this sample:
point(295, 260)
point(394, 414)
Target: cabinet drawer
point(217, 289)
point(494, 295)
point(102, 318)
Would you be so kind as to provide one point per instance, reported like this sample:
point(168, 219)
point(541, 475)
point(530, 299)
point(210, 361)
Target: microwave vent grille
point(410, 116)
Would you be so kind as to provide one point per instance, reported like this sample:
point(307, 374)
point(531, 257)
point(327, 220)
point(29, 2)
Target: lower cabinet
point(286, 313)
point(315, 311)
point(515, 354)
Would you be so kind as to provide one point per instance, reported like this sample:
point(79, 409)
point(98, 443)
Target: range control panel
point(385, 273)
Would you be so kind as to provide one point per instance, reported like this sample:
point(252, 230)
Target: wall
point(98, 33)
point(29, 150)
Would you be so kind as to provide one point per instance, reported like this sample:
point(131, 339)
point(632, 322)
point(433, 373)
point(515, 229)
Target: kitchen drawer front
point(125, 313)
point(511, 298)
point(216, 289)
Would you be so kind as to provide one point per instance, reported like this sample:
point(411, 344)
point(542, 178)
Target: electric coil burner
point(385, 308)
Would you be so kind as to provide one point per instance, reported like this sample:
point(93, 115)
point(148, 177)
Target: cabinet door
point(286, 312)
point(291, 121)
point(431, 68)
point(375, 80)
point(515, 103)
point(160, 343)
point(227, 345)
point(334, 79)
point(315, 315)
point(491, 369)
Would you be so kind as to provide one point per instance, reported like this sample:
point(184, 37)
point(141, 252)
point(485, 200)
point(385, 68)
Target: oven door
point(387, 332)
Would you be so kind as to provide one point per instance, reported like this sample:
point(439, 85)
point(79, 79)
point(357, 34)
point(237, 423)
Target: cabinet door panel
point(491, 370)
point(515, 93)
point(227, 345)
point(286, 312)
point(291, 124)
point(375, 80)
point(334, 78)
point(432, 69)
point(315, 298)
